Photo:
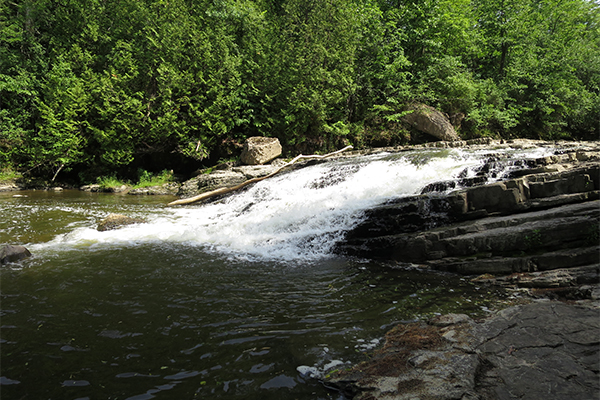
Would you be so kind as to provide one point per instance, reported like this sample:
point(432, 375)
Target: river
point(241, 298)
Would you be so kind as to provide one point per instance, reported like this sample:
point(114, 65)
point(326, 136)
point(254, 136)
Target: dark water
point(170, 320)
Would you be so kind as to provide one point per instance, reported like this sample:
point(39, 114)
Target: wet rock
point(545, 239)
point(116, 221)
point(12, 253)
point(544, 350)
point(260, 150)
point(536, 221)
point(429, 120)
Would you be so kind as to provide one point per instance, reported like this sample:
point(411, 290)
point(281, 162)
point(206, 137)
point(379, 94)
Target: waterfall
point(300, 215)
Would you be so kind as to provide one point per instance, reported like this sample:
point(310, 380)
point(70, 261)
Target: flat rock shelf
point(546, 350)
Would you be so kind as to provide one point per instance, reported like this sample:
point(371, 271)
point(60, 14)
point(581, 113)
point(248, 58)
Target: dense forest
point(105, 86)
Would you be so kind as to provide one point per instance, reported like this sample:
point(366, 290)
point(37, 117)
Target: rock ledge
point(545, 350)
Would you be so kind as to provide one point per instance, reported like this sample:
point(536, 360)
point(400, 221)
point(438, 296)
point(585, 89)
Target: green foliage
point(9, 175)
point(116, 85)
point(147, 179)
point(109, 182)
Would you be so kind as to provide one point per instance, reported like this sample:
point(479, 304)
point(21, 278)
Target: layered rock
point(546, 217)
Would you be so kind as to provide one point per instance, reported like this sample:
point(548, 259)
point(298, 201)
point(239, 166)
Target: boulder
point(12, 253)
point(259, 150)
point(116, 221)
point(429, 120)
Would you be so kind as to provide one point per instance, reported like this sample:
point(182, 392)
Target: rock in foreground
point(545, 350)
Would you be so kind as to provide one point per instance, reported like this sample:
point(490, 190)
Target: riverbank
point(232, 173)
point(544, 350)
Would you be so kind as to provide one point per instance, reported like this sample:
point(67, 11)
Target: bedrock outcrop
point(540, 351)
point(544, 216)
point(536, 232)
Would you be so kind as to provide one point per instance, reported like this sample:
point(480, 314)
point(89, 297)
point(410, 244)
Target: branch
point(225, 190)
point(57, 171)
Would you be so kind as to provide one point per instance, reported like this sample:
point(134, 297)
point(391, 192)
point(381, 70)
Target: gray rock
point(544, 350)
point(210, 181)
point(161, 190)
point(541, 351)
point(12, 253)
point(429, 120)
point(259, 150)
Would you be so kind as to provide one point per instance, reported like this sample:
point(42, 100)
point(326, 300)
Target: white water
point(294, 216)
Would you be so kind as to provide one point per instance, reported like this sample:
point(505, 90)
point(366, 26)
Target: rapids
point(298, 215)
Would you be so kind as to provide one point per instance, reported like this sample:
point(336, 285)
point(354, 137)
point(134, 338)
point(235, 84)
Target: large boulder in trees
point(12, 253)
point(259, 150)
point(116, 221)
point(429, 120)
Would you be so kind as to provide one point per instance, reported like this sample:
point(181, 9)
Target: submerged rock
point(10, 253)
point(116, 221)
